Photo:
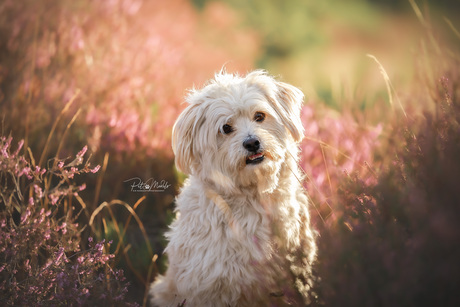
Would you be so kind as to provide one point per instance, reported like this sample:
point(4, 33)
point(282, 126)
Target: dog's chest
point(248, 231)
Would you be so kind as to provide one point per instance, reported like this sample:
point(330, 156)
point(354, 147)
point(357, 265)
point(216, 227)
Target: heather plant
point(334, 144)
point(42, 259)
point(395, 242)
point(129, 58)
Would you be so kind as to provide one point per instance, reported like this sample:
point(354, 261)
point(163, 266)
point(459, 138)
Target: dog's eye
point(259, 117)
point(226, 129)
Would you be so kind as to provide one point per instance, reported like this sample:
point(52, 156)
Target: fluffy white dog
point(242, 235)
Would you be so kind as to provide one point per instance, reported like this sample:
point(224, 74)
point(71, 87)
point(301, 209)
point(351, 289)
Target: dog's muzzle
point(252, 144)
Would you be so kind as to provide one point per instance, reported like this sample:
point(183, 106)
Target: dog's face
point(237, 131)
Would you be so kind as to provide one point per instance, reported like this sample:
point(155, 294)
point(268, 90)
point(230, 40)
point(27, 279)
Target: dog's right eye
point(226, 129)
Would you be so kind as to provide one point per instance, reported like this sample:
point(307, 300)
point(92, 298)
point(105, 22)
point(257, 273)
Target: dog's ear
point(183, 133)
point(285, 99)
point(290, 101)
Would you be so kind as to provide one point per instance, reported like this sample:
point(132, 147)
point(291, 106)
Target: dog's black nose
point(252, 144)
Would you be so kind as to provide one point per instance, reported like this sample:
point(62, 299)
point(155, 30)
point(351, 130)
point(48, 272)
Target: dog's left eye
point(226, 129)
point(259, 117)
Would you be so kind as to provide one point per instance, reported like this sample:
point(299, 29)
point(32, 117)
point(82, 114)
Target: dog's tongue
point(253, 157)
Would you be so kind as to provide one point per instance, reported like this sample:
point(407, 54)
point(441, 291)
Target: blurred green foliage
point(321, 46)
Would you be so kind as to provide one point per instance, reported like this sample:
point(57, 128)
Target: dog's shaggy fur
point(242, 235)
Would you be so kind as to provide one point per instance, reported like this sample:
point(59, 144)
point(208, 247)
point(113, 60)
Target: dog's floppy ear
point(285, 99)
point(184, 130)
point(290, 101)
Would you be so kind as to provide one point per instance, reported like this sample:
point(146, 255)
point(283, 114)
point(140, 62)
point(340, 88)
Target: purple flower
point(82, 152)
point(4, 149)
point(38, 191)
point(20, 144)
point(59, 255)
point(26, 214)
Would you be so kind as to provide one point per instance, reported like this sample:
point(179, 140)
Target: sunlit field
point(90, 90)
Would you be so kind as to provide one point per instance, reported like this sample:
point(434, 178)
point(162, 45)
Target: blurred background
point(112, 75)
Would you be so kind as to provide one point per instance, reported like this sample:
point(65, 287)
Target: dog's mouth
point(255, 159)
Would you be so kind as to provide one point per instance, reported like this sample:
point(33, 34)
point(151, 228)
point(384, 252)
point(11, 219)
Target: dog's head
point(237, 131)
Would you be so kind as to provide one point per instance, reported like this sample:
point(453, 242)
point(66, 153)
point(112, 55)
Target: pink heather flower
point(79, 158)
point(59, 255)
point(82, 187)
point(37, 169)
point(99, 246)
point(4, 150)
point(25, 171)
point(61, 164)
point(70, 174)
point(96, 169)
point(82, 152)
point(54, 198)
point(26, 214)
point(105, 258)
point(38, 191)
point(47, 234)
point(20, 144)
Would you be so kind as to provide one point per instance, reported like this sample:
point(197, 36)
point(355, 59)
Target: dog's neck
point(254, 191)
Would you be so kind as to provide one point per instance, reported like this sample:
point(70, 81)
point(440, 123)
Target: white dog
point(242, 235)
